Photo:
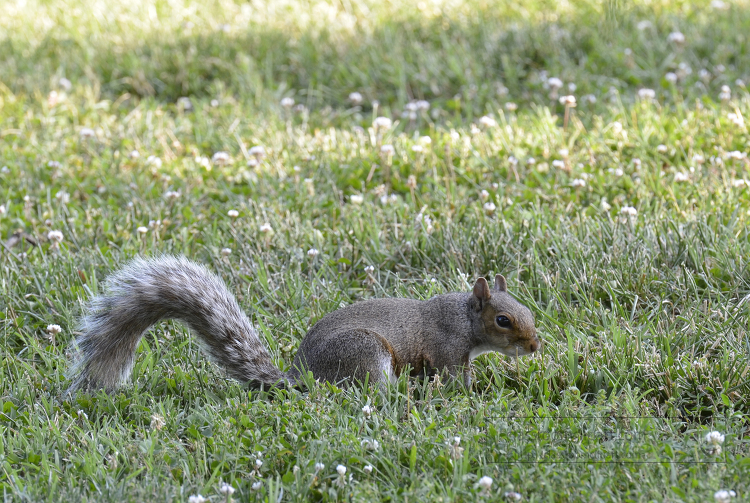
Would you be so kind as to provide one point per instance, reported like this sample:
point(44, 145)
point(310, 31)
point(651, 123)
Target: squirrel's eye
point(503, 321)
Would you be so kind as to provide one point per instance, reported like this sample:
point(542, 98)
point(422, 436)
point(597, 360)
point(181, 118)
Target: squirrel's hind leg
point(347, 356)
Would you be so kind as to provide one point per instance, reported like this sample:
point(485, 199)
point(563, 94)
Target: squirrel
point(379, 337)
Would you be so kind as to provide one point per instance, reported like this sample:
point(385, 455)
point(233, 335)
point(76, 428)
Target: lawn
point(593, 152)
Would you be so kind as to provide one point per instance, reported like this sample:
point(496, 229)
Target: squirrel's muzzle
point(535, 345)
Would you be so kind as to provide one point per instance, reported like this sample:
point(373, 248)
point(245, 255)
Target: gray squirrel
point(379, 337)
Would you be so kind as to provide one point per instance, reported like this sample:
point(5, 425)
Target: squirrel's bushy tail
point(148, 290)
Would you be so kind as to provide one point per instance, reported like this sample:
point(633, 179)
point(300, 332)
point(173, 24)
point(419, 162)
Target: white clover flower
point(185, 104)
point(197, 498)
point(53, 330)
point(203, 161)
point(646, 94)
point(258, 463)
point(87, 133)
point(256, 485)
point(455, 449)
point(266, 228)
point(487, 121)
point(225, 252)
point(370, 269)
point(425, 140)
point(484, 194)
point(313, 252)
point(65, 84)
point(628, 211)
point(367, 410)
point(3, 210)
point(172, 194)
point(739, 83)
point(736, 155)
point(558, 164)
point(417, 148)
point(225, 488)
point(513, 496)
point(233, 213)
point(588, 98)
point(564, 152)
point(512, 160)
point(287, 102)
point(220, 158)
point(530, 161)
point(388, 199)
point(341, 470)
point(617, 127)
point(387, 149)
point(578, 182)
point(258, 152)
point(725, 94)
point(63, 197)
point(739, 183)
point(485, 483)
point(382, 123)
point(489, 207)
point(423, 105)
point(355, 98)
point(511, 107)
point(698, 159)
point(683, 70)
point(356, 199)
point(554, 83)
point(53, 164)
point(319, 467)
point(367, 469)
point(644, 25)
point(152, 160)
point(142, 230)
point(714, 437)
point(736, 119)
point(681, 177)
point(568, 101)
point(676, 37)
point(55, 236)
point(724, 496)
point(671, 77)
point(370, 445)
point(719, 5)
point(662, 149)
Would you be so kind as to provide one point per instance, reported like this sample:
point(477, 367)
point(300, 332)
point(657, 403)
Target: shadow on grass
point(433, 58)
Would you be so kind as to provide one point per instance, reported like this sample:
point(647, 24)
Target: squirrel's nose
point(533, 346)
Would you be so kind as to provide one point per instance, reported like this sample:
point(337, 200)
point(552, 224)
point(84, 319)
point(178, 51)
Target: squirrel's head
point(508, 325)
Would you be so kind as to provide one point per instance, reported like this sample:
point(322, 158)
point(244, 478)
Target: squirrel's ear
point(482, 290)
point(500, 283)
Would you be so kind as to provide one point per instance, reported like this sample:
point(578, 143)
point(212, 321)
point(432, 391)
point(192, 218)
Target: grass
point(644, 316)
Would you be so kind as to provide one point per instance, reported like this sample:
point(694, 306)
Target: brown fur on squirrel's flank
point(378, 337)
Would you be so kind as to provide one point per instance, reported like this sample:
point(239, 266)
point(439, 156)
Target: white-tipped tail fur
point(148, 290)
